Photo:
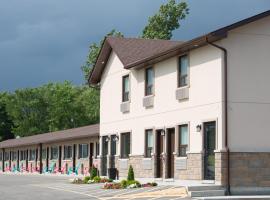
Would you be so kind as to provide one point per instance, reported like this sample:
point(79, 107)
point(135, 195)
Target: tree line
point(59, 106)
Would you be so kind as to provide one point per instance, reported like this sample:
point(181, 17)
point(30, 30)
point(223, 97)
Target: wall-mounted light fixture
point(199, 128)
point(163, 132)
point(107, 139)
point(116, 138)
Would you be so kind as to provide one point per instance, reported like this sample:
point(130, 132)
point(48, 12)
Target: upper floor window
point(125, 88)
point(149, 81)
point(148, 143)
point(125, 145)
point(54, 152)
point(83, 151)
point(67, 152)
point(183, 71)
point(183, 140)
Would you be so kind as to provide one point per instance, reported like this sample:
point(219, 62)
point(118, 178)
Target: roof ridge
point(145, 39)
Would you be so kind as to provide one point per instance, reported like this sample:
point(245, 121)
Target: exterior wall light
point(199, 128)
point(116, 138)
point(163, 132)
point(107, 139)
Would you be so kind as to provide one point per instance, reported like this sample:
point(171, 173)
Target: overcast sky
point(45, 41)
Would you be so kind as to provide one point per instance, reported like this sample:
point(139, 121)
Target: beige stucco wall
point(248, 86)
point(204, 99)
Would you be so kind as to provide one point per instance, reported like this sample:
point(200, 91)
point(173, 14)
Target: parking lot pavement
point(28, 187)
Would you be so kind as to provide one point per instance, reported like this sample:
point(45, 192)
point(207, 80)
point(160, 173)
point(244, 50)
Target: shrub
point(124, 183)
point(86, 179)
point(96, 179)
point(133, 184)
point(130, 174)
point(77, 181)
point(93, 173)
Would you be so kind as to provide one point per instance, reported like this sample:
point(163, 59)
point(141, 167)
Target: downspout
point(225, 54)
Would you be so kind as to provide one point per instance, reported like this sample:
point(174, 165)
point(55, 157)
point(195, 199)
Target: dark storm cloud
point(47, 40)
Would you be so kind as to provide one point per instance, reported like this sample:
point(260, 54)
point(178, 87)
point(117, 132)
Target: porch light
point(116, 138)
point(162, 132)
point(107, 139)
point(199, 128)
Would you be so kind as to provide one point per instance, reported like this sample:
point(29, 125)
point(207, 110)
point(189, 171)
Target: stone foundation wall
point(250, 169)
point(221, 168)
point(193, 169)
point(143, 167)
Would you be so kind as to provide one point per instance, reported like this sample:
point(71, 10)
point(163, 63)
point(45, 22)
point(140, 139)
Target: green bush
point(93, 173)
point(96, 179)
point(124, 183)
point(86, 179)
point(130, 174)
point(137, 183)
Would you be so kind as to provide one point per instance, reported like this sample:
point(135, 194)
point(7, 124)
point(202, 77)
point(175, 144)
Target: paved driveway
point(41, 187)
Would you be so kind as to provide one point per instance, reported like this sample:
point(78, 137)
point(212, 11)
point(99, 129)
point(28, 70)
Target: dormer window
point(149, 81)
point(125, 88)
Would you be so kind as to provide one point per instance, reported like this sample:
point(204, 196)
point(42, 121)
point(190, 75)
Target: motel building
point(191, 112)
point(72, 151)
point(183, 111)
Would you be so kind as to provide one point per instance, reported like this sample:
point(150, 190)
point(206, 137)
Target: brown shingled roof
point(144, 52)
point(131, 50)
point(75, 133)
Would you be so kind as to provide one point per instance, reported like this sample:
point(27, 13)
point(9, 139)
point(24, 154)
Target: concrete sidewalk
point(234, 198)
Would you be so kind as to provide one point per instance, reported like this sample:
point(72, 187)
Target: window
point(113, 145)
point(6, 157)
point(83, 150)
point(54, 153)
point(183, 140)
point(183, 71)
point(97, 149)
point(125, 89)
point(148, 143)
point(125, 145)
point(44, 154)
point(67, 152)
point(149, 81)
point(32, 155)
point(1, 156)
point(23, 155)
point(13, 155)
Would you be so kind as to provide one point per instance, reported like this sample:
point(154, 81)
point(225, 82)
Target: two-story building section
point(187, 110)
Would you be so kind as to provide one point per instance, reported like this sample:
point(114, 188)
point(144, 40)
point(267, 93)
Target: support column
point(40, 159)
point(10, 160)
point(3, 160)
point(18, 160)
point(165, 157)
point(154, 155)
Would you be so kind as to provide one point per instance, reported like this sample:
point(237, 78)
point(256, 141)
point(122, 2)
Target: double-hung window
point(148, 143)
point(125, 145)
point(23, 155)
point(149, 81)
point(97, 149)
point(183, 140)
point(67, 152)
point(1, 156)
point(125, 88)
point(83, 151)
point(183, 71)
point(54, 153)
point(13, 155)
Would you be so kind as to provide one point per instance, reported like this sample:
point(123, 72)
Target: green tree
point(6, 123)
point(52, 107)
point(163, 23)
point(93, 54)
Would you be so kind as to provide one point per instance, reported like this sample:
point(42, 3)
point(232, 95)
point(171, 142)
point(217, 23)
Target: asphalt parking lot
point(42, 187)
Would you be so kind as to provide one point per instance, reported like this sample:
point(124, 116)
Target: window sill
point(147, 158)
